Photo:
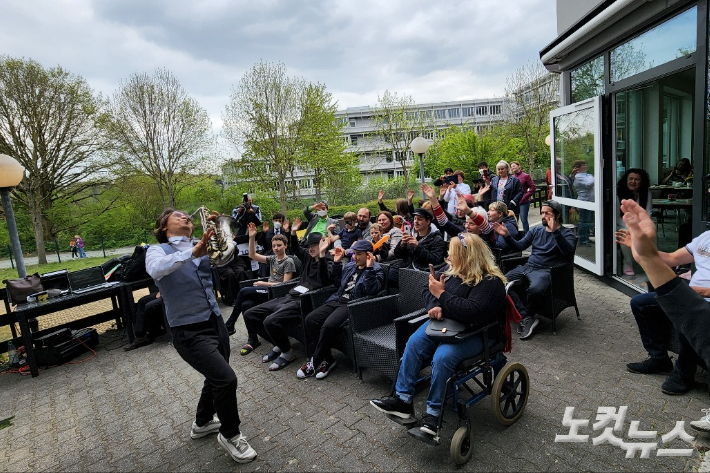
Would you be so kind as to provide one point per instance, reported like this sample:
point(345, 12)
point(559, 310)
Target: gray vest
point(187, 292)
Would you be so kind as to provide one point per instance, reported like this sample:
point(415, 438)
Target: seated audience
point(264, 238)
point(230, 275)
point(684, 306)
point(272, 319)
point(386, 221)
point(363, 222)
point(381, 252)
point(423, 246)
point(148, 307)
point(682, 171)
point(499, 213)
point(472, 291)
point(281, 268)
point(363, 276)
point(319, 222)
point(348, 235)
point(552, 244)
point(654, 325)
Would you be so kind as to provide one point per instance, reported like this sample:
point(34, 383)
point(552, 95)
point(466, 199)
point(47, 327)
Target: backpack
point(134, 267)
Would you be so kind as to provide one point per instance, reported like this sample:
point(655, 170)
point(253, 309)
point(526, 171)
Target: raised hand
point(641, 229)
point(338, 254)
point(437, 287)
point(265, 226)
point(623, 238)
point(500, 229)
point(323, 245)
point(370, 260)
point(380, 195)
point(442, 190)
point(410, 196)
point(461, 203)
point(429, 191)
point(296, 224)
point(285, 225)
point(251, 229)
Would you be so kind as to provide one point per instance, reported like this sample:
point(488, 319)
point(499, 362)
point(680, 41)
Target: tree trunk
point(282, 191)
point(37, 228)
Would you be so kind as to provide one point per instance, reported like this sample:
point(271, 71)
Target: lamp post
point(11, 174)
point(420, 146)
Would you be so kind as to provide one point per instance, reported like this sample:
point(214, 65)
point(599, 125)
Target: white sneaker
point(238, 448)
point(211, 427)
point(307, 370)
point(324, 369)
point(702, 425)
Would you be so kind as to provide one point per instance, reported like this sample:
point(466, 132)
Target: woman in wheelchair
point(471, 291)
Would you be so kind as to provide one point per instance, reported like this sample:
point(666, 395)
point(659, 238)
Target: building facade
point(634, 91)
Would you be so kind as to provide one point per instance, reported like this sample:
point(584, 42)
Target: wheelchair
point(486, 374)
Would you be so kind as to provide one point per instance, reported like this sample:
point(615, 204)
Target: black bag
point(445, 330)
point(19, 289)
point(134, 268)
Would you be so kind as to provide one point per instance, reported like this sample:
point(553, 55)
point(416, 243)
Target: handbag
point(445, 330)
point(19, 289)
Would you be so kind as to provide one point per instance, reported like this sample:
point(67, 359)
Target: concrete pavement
point(132, 411)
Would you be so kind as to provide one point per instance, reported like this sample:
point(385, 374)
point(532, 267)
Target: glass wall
point(670, 40)
point(587, 80)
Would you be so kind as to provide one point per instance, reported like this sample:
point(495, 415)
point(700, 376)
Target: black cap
point(314, 238)
point(555, 206)
point(422, 212)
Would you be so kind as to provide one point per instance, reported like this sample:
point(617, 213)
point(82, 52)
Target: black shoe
point(651, 366)
point(430, 425)
point(393, 406)
point(138, 342)
point(528, 324)
point(676, 383)
point(231, 330)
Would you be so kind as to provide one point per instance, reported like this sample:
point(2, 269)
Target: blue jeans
point(524, 209)
point(82, 254)
point(444, 356)
point(586, 218)
point(653, 324)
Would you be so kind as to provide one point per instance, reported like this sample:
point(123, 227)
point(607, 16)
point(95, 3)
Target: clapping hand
point(641, 229)
point(338, 254)
point(500, 229)
point(623, 238)
point(323, 246)
point(296, 224)
point(285, 226)
point(461, 204)
point(380, 196)
point(410, 196)
point(265, 226)
point(370, 259)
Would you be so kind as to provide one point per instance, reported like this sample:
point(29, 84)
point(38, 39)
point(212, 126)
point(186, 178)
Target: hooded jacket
point(430, 250)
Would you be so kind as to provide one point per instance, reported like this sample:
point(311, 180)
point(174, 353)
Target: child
point(281, 268)
point(73, 247)
point(348, 235)
point(383, 249)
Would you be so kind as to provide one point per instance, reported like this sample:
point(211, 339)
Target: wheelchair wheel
point(510, 393)
point(461, 448)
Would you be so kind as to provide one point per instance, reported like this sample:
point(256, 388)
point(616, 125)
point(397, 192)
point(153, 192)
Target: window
point(353, 122)
point(454, 112)
point(495, 109)
point(481, 110)
point(353, 140)
point(425, 114)
point(670, 40)
point(440, 114)
point(467, 111)
point(587, 80)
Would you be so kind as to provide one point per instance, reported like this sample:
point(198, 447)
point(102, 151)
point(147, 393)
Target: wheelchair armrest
point(465, 335)
point(417, 320)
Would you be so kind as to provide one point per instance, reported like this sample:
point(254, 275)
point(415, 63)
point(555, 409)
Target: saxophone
point(220, 246)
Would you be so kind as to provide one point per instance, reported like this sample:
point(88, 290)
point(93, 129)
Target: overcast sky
point(433, 51)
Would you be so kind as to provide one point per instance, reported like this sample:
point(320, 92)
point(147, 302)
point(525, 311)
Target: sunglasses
point(181, 215)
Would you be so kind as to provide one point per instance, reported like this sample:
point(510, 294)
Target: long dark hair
point(622, 189)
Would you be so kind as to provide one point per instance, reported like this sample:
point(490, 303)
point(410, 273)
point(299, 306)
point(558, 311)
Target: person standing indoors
point(528, 191)
point(183, 275)
point(583, 183)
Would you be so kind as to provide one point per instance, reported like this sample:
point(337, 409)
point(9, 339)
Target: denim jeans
point(524, 210)
point(444, 356)
point(654, 325)
point(586, 218)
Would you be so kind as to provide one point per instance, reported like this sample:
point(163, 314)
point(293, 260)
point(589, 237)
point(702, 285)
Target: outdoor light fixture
point(11, 174)
point(420, 146)
point(548, 140)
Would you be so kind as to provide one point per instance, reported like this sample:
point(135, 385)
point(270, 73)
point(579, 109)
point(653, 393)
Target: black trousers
point(324, 325)
point(205, 347)
point(271, 319)
point(536, 281)
point(147, 308)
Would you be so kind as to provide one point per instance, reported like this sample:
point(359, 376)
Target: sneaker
point(394, 406)
point(528, 325)
point(211, 427)
point(238, 448)
point(676, 384)
point(307, 370)
point(325, 368)
point(702, 425)
point(651, 366)
point(430, 425)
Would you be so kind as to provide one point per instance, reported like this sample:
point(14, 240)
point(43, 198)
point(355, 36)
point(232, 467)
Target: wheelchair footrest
point(401, 421)
point(424, 437)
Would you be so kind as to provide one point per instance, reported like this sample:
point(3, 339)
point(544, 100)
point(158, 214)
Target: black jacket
point(430, 250)
point(512, 192)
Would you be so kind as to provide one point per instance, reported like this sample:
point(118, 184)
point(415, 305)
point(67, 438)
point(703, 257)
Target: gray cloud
point(432, 51)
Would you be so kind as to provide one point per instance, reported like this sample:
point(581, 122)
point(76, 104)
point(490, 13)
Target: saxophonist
point(182, 273)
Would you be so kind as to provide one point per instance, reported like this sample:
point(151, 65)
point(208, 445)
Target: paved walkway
point(132, 411)
point(65, 256)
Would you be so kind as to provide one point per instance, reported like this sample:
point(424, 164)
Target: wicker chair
point(560, 294)
point(380, 327)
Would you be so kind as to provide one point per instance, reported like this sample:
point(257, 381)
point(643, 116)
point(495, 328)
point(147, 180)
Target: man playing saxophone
point(182, 272)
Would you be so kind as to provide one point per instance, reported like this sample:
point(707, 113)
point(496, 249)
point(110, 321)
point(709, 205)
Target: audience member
point(528, 191)
point(271, 320)
point(149, 307)
point(460, 188)
point(363, 222)
point(348, 235)
point(386, 221)
point(498, 213)
point(682, 171)
point(471, 291)
point(363, 276)
point(246, 213)
point(422, 247)
point(552, 244)
point(635, 185)
point(403, 207)
point(440, 180)
point(380, 250)
point(319, 222)
point(505, 188)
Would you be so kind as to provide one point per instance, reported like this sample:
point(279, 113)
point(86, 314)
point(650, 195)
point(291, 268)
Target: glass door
point(576, 180)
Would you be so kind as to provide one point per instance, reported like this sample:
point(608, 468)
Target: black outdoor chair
point(380, 327)
point(560, 294)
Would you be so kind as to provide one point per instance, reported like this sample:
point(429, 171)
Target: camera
point(245, 198)
point(451, 179)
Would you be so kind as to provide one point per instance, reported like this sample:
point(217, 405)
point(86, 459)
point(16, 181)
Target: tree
point(48, 123)
point(532, 94)
point(396, 126)
point(278, 120)
point(158, 130)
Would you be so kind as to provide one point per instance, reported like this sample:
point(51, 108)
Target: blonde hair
point(376, 226)
point(499, 207)
point(504, 163)
point(473, 261)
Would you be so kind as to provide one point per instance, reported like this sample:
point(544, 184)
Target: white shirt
point(158, 264)
point(450, 195)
